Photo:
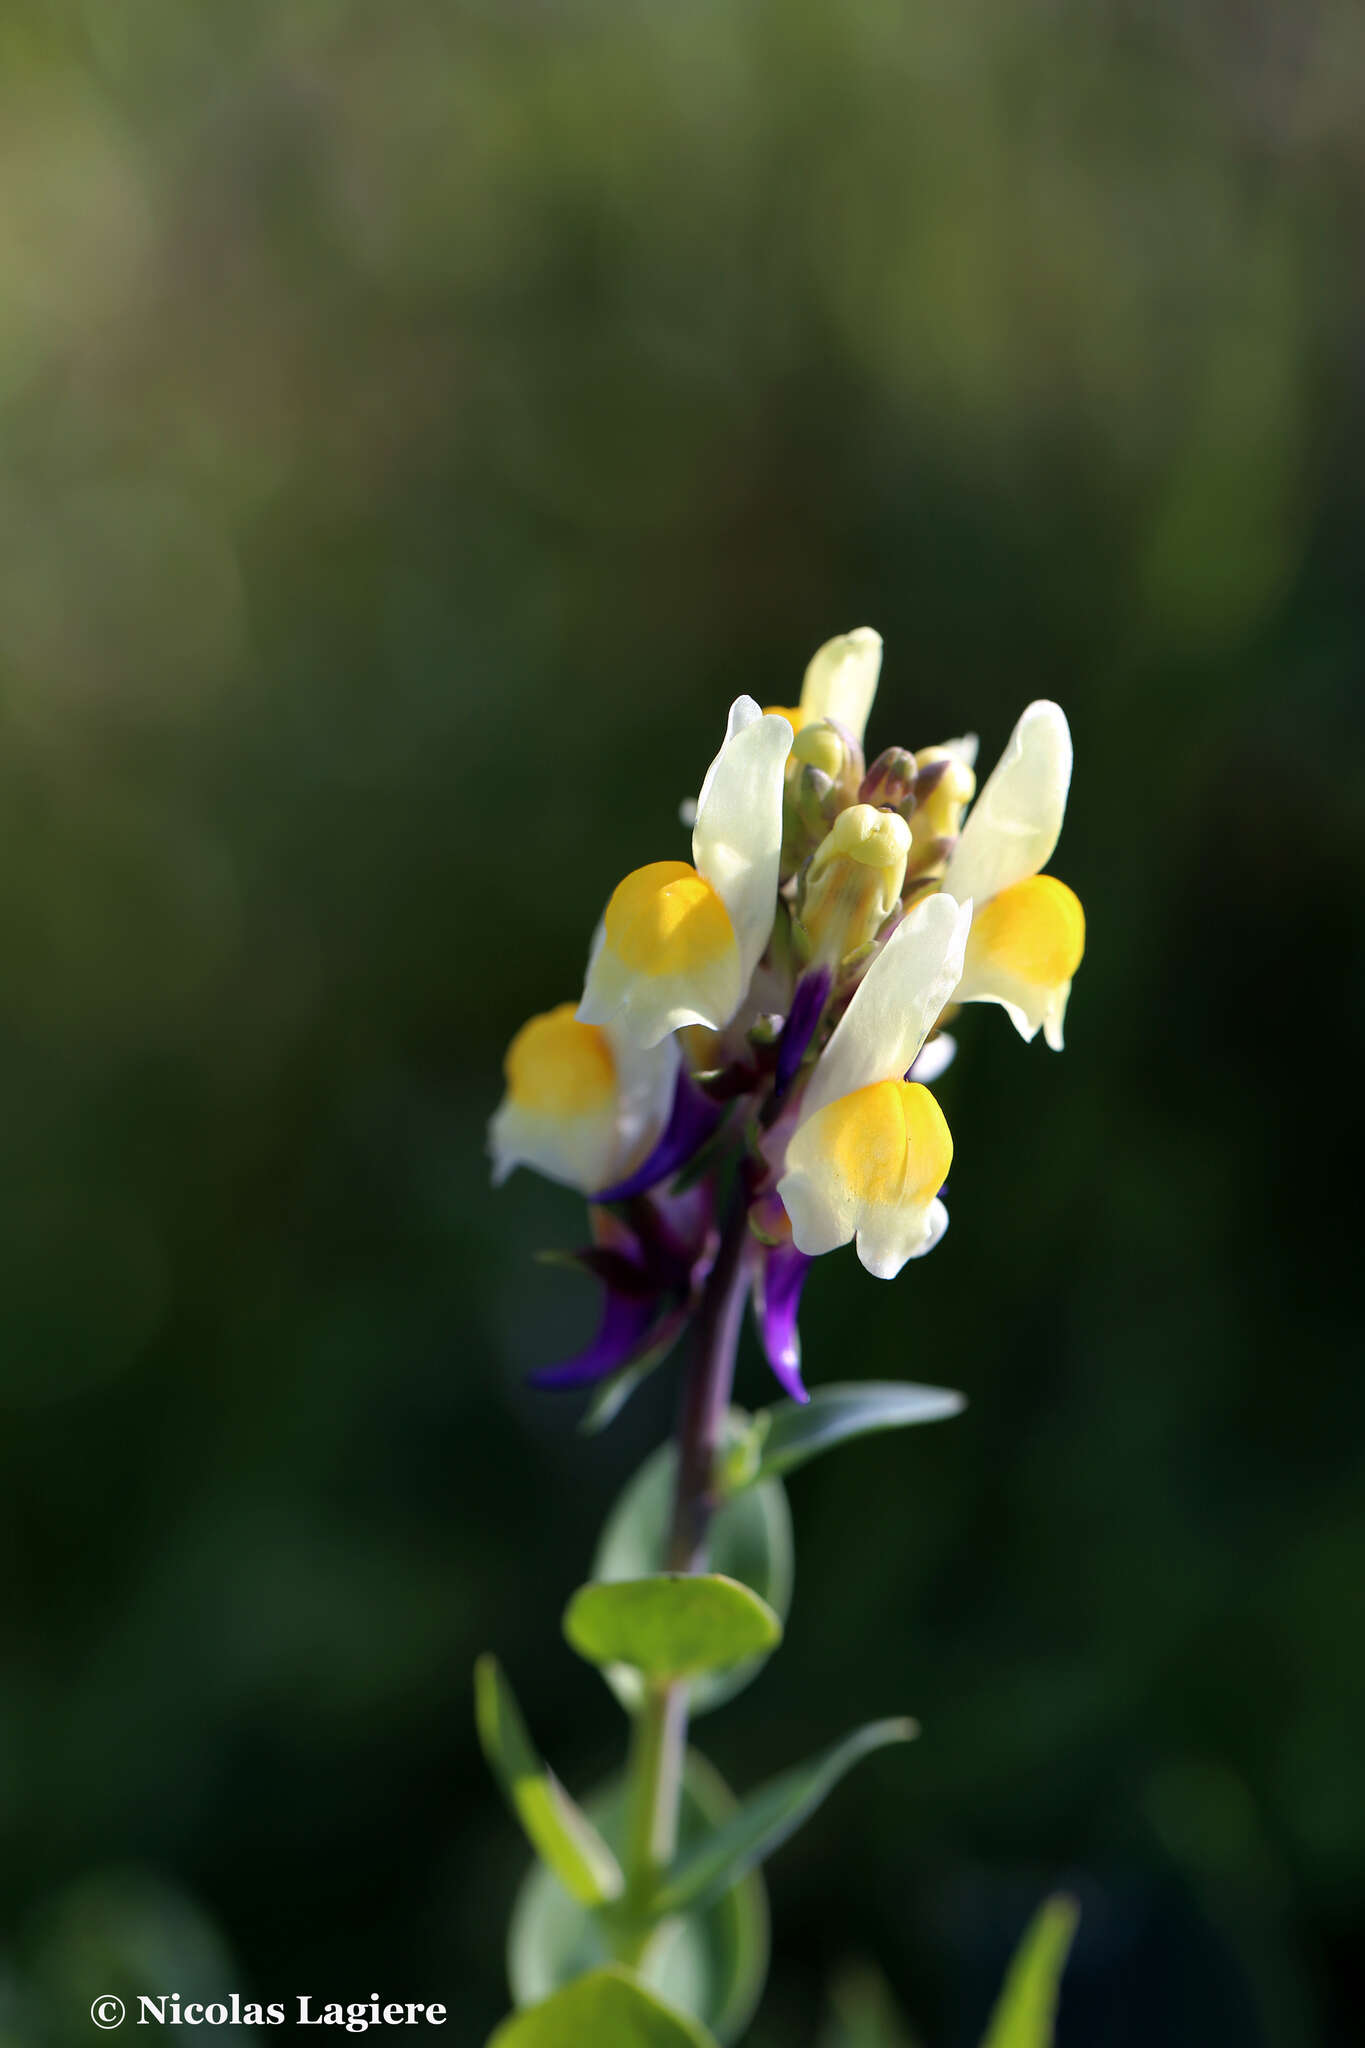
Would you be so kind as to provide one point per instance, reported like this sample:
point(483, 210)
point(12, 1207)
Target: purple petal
point(777, 1297)
point(691, 1122)
point(807, 1005)
point(627, 1322)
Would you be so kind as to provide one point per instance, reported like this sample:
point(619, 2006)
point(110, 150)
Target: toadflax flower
point(1028, 929)
point(678, 944)
point(584, 1103)
point(743, 1086)
point(871, 1149)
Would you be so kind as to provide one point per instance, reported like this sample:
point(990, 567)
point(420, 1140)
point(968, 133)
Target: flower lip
point(559, 1066)
point(667, 919)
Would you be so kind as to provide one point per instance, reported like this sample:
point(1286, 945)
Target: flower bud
point(890, 781)
point(854, 881)
point(944, 786)
point(833, 750)
point(809, 805)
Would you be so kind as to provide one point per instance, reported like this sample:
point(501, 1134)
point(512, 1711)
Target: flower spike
point(679, 944)
point(1028, 935)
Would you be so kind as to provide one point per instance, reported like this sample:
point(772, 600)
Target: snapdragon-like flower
point(583, 1104)
point(679, 943)
point(758, 1026)
point(1028, 929)
point(871, 1149)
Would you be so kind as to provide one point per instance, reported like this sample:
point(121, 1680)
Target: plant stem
point(660, 1742)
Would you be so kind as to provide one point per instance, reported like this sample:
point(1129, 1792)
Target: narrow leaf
point(834, 1414)
point(558, 1830)
point(1027, 2010)
point(671, 1625)
point(605, 2009)
point(764, 1820)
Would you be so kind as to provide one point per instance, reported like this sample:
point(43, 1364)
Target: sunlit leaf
point(556, 1828)
point(607, 2009)
point(857, 1408)
point(750, 1539)
point(672, 1625)
point(764, 1820)
point(1027, 2009)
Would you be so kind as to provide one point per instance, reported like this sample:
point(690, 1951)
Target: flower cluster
point(761, 1024)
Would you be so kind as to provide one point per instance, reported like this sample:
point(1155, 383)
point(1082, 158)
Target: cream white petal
point(1016, 821)
point(737, 839)
point(577, 1151)
point(888, 1237)
point(1030, 1007)
point(647, 1007)
point(896, 1004)
point(841, 680)
point(646, 1077)
point(822, 1217)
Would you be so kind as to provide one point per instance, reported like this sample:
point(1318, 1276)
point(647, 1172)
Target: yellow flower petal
point(1035, 931)
point(559, 1066)
point(667, 919)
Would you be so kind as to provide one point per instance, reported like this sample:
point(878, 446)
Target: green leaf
point(710, 1963)
point(863, 2012)
point(609, 2009)
point(750, 1540)
point(764, 1820)
point(858, 1408)
point(1027, 2009)
point(556, 1828)
point(673, 1625)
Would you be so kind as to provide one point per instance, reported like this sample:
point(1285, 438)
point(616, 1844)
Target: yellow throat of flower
point(888, 1143)
point(667, 919)
point(559, 1067)
point(1035, 930)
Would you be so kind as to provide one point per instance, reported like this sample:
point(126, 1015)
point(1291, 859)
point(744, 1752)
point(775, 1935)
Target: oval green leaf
point(711, 1963)
point(835, 1414)
point(609, 2009)
point(673, 1625)
point(557, 1829)
point(1027, 2011)
point(750, 1540)
point(763, 1821)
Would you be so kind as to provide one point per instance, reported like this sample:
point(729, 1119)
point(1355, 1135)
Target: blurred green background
point(416, 424)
